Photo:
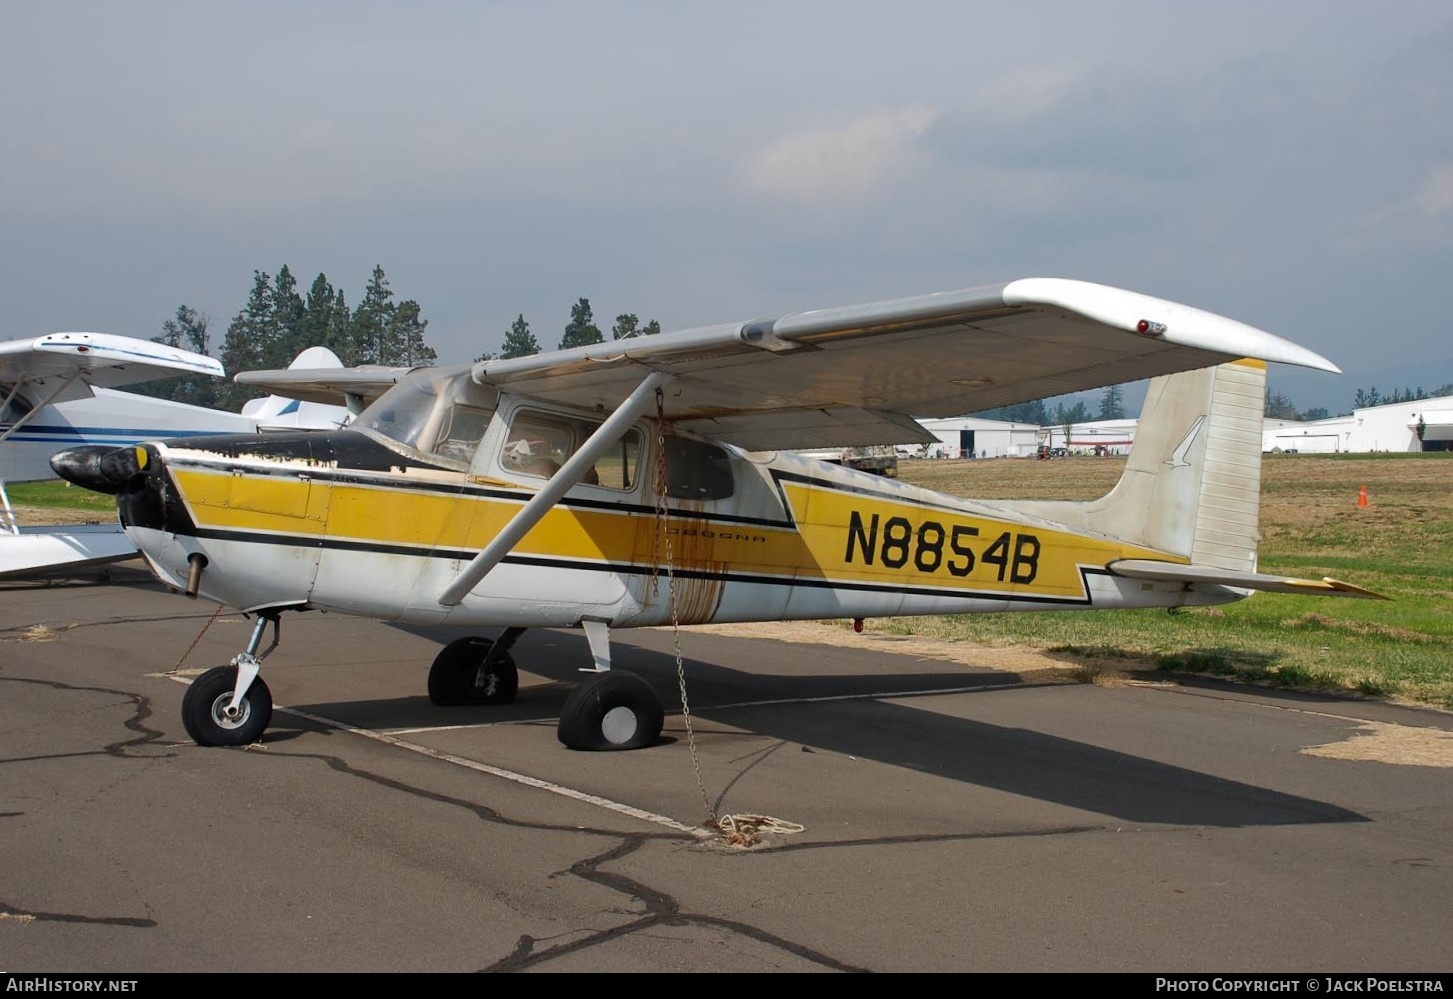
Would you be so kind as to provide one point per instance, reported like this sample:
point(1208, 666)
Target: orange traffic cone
point(1362, 496)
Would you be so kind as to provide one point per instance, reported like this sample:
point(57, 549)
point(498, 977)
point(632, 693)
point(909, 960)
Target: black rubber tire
point(609, 712)
point(455, 678)
point(212, 691)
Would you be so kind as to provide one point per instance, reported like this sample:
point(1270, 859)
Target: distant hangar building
point(1418, 425)
point(972, 437)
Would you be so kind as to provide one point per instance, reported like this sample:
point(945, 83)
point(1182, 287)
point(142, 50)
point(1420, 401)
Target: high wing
point(104, 359)
point(860, 375)
point(356, 386)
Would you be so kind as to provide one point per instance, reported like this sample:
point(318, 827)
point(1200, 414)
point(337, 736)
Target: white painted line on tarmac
point(509, 775)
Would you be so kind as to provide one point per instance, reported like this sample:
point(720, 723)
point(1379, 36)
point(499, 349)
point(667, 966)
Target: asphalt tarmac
point(919, 815)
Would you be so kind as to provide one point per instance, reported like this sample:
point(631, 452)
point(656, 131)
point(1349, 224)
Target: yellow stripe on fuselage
point(840, 536)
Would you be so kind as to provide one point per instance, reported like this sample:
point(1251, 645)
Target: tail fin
point(1192, 485)
point(279, 411)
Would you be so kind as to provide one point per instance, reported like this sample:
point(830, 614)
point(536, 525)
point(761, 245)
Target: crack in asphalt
point(26, 916)
point(120, 749)
point(661, 908)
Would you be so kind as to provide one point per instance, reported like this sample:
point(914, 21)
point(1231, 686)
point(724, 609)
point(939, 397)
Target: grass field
point(1400, 545)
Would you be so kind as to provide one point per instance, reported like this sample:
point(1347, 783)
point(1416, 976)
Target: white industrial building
point(1098, 437)
point(1418, 425)
point(972, 437)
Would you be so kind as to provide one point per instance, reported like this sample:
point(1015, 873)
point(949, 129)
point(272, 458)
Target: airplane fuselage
point(109, 418)
point(340, 521)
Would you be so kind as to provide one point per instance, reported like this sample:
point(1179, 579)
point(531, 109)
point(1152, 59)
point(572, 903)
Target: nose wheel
point(230, 705)
point(211, 720)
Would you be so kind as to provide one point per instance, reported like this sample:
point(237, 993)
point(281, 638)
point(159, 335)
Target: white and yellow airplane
point(649, 482)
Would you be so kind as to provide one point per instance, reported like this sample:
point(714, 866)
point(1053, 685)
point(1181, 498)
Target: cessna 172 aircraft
point(59, 390)
point(650, 481)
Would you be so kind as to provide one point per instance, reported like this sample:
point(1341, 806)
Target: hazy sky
point(1286, 164)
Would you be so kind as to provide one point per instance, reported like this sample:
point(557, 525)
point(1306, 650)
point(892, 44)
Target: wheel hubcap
point(618, 725)
point(486, 681)
point(222, 719)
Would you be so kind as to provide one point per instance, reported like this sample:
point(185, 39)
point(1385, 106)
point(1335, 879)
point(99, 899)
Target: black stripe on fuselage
point(630, 569)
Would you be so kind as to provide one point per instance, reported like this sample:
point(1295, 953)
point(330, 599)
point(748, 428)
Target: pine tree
point(372, 321)
point(317, 319)
point(338, 336)
point(1078, 413)
point(651, 328)
point(1112, 404)
point(1279, 406)
point(406, 337)
point(519, 341)
point(627, 325)
point(287, 311)
point(1021, 412)
point(249, 338)
point(581, 329)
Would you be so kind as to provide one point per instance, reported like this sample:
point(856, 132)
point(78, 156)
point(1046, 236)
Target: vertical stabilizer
point(1192, 485)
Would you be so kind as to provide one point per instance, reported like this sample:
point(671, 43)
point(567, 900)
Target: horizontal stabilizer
point(1172, 572)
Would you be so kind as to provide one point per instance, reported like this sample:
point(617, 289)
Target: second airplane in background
point(60, 391)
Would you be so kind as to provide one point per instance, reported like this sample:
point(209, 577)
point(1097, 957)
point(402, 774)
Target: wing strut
point(10, 526)
point(612, 430)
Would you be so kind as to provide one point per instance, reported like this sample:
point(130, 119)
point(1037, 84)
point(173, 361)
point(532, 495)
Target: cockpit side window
point(540, 443)
point(461, 431)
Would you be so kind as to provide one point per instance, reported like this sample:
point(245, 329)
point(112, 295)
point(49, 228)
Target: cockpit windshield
point(439, 413)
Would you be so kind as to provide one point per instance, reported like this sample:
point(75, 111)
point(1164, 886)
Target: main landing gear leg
point(231, 705)
point(613, 709)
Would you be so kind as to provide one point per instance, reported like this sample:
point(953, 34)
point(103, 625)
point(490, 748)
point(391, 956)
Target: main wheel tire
point(204, 709)
point(612, 711)
point(458, 676)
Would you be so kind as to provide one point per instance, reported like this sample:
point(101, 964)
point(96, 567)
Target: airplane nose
point(98, 467)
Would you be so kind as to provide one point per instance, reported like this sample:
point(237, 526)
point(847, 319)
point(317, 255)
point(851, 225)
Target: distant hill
point(1335, 393)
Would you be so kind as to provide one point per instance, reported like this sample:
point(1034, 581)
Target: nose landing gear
point(231, 705)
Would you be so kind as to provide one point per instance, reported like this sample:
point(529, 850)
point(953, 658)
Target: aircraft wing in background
point(104, 359)
point(332, 385)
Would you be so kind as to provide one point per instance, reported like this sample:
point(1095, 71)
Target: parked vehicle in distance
point(881, 460)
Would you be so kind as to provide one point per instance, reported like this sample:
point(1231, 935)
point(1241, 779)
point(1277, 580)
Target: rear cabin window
point(540, 444)
point(697, 470)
